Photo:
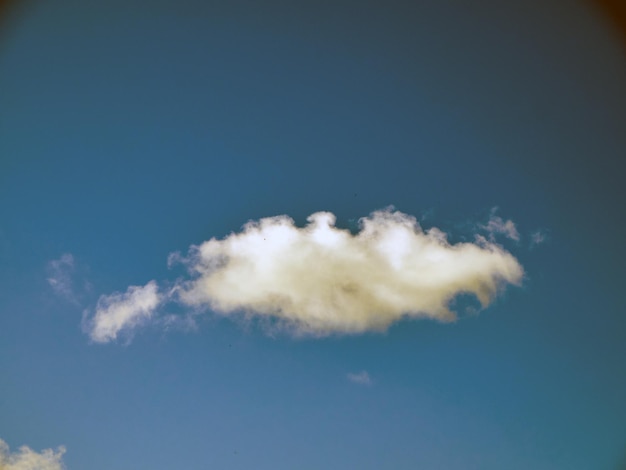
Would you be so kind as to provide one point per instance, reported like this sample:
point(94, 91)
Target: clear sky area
point(312, 235)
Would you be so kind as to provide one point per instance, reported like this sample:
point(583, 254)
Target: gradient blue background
point(129, 130)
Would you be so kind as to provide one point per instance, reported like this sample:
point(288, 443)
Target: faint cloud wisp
point(538, 237)
point(498, 226)
point(60, 277)
point(361, 378)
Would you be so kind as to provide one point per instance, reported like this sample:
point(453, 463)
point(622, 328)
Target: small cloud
point(67, 279)
point(538, 237)
point(122, 311)
point(361, 378)
point(27, 459)
point(499, 226)
point(60, 273)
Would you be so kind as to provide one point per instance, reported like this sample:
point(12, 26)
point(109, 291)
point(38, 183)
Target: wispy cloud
point(320, 280)
point(122, 311)
point(538, 237)
point(361, 378)
point(498, 226)
point(60, 273)
point(27, 459)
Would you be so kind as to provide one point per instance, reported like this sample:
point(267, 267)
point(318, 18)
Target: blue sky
point(131, 131)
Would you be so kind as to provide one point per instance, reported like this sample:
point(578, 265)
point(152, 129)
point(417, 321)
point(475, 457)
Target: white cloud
point(322, 280)
point(27, 459)
point(499, 226)
point(60, 277)
point(361, 378)
point(122, 311)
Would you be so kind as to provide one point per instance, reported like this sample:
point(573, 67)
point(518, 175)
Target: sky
point(306, 235)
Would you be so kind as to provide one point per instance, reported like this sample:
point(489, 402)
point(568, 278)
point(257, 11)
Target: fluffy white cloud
point(320, 279)
point(122, 311)
point(27, 459)
point(60, 276)
point(361, 378)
